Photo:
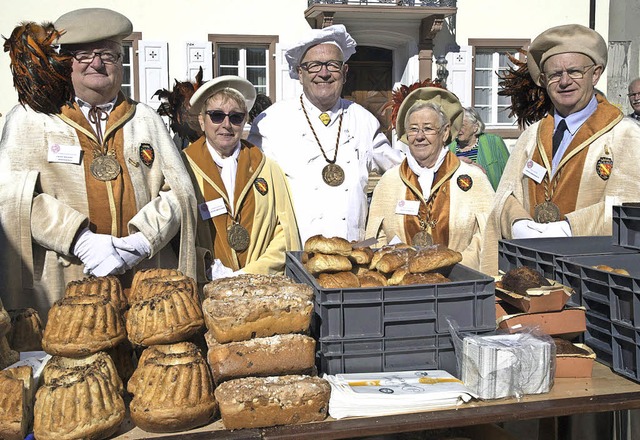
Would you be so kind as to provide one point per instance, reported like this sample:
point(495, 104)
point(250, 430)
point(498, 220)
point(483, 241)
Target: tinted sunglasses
point(217, 116)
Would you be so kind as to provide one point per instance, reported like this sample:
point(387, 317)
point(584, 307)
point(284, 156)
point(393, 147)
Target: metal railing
point(427, 3)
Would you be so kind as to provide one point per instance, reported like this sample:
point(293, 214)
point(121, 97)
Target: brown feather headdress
point(176, 106)
point(529, 102)
point(399, 94)
point(41, 76)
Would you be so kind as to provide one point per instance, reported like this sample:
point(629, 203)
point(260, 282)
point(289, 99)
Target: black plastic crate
point(626, 225)
point(400, 311)
point(625, 350)
point(542, 253)
point(435, 352)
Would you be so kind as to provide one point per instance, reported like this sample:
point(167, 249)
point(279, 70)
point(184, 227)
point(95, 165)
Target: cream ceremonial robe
point(467, 214)
point(284, 135)
point(43, 204)
point(272, 228)
point(615, 142)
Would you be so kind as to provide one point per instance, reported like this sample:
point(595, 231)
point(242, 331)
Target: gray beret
point(564, 39)
point(92, 24)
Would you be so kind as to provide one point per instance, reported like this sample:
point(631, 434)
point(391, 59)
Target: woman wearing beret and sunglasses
point(245, 209)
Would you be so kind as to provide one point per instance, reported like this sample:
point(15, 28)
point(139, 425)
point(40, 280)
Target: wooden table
point(605, 391)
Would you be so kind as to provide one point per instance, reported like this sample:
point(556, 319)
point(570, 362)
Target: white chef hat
point(336, 34)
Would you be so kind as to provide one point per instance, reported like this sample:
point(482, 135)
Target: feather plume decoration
point(529, 102)
point(399, 94)
point(175, 105)
point(41, 76)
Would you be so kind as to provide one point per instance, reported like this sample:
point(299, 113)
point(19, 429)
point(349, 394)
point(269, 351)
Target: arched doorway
point(369, 82)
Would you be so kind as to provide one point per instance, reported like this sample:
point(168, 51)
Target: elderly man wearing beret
point(96, 188)
point(325, 145)
point(568, 169)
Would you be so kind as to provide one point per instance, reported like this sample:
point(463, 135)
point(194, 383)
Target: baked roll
point(328, 245)
point(361, 255)
point(395, 259)
point(384, 250)
point(338, 280)
point(372, 279)
point(321, 263)
point(432, 258)
point(398, 275)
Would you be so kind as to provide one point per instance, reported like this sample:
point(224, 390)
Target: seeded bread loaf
point(271, 356)
point(255, 402)
point(255, 285)
point(16, 402)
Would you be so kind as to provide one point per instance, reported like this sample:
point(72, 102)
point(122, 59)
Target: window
point(130, 66)
point(490, 58)
point(249, 56)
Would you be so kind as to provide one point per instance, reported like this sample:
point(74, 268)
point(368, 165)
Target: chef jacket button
point(343, 218)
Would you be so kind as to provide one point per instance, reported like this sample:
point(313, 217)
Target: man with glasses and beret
point(97, 188)
point(326, 145)
point(568, 169)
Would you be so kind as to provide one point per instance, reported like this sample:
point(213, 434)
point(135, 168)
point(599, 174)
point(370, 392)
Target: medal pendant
point(333, 174)
point(546, 212)
point(105, 168)
point(422, 238)
point(238, 237)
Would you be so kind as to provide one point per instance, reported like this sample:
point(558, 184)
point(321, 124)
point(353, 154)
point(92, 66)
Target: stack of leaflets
point(379, 394)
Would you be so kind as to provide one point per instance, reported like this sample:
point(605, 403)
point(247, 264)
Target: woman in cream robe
point(431, 191)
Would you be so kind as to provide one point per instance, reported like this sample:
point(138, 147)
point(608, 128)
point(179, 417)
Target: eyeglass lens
point(217, 117)
point(316, 66)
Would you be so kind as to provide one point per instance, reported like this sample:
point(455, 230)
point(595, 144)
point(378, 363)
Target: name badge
point(64, 154)
point(534, 171)
point(212, 208)
point(407, 207)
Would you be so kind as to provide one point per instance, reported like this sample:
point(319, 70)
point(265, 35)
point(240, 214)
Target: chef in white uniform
point(326, 145)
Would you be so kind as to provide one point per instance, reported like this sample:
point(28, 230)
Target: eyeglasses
point(575, 73)
point(427, 131)
point(217, 116)
point(316, 66)
point(107, 57)
point(633, 95)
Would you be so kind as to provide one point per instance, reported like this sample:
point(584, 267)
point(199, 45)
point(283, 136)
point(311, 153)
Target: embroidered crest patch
point(261, 185)
point(147, 155)
point(604, 167)
point(465, 182)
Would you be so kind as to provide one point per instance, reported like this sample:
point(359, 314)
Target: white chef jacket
point(283, 133)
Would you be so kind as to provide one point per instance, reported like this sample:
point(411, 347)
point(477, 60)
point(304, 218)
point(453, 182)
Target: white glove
point(132, 249)
point(526, 229)
point(557, 229)
point(94, 250)
point(218, 270)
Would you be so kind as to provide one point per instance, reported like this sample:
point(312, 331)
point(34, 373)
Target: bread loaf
point(432, 258)
point(395, 259)
point(328, 245)
point(243, 317)
point(256, 402)
point(361, 255)
point(611, 269)
point(338, 280)
point(272, 356)
point(424, 278)
point(5, 321)
point(26, 330)
point(255, 285)
point(321, 263)
point(7, 355)
point(372, 279)
point(521, 279)
point(16, 402)
point(384, 250)
point(398, 275)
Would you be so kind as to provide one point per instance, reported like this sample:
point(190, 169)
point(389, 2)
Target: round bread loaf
point(521, 279)
point(328, 245)
point(26, 330)
point(82, 325)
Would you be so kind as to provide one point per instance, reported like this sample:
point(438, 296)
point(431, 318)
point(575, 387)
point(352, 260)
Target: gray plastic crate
point(598, 338)
point(435, 352)
point(626, 225)
point(542, 253)
point(400, 311)
point(625, 351)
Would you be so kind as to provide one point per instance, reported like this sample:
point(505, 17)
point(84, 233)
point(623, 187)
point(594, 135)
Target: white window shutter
point(460, 79)
point(199, 54)
point(286, 87)
point(154, 70)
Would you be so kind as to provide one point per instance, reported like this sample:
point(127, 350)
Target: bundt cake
point(82, 325)
point(150, 287)
point(172, 316)
point(81, 404)
point(255, 402)
point(26, 330)
point(7, 355)
point(59, 366)
point(5, 321)
point(150, 273)
point(16, 402)
point(108, 287)
point(171, 391)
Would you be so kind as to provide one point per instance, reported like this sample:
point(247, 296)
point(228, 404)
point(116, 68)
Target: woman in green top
point(472, 145)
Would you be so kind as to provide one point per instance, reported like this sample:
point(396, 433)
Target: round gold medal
point(238, 237)
point(105, 168)
point(333, 174)
point(546, 212)
point(422, 238)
